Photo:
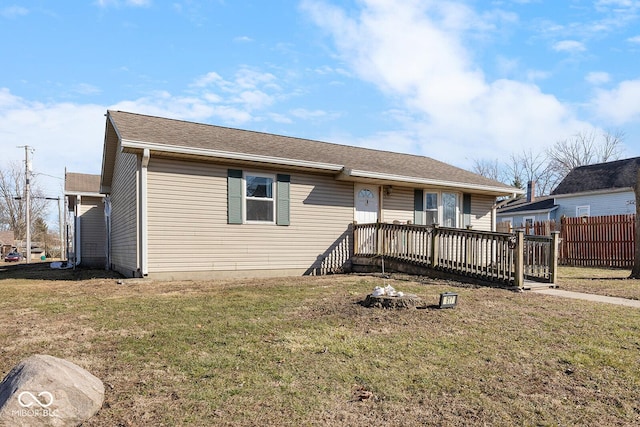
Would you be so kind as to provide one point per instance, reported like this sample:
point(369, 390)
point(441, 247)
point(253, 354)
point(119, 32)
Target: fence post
point(435, 251)
point(553, 255)
point(519, 259)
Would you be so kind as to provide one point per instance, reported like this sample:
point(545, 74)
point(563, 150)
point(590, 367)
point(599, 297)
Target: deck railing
point(497, 257)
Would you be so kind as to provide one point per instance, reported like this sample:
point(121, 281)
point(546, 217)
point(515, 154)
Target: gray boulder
point(44, 390)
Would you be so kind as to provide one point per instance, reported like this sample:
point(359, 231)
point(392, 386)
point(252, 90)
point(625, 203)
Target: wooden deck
point(502, 258)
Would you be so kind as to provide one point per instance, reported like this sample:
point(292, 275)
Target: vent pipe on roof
point(531, 191)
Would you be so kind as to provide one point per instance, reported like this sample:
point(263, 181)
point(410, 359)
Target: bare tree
point(584, 148)
point(13, 203)
point(550, 167)
point(487, 168)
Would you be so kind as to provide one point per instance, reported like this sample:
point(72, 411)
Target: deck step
point(530, 285)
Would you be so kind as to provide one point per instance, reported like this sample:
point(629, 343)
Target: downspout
point(77, 247)
point(107, 226)
point(144, 237)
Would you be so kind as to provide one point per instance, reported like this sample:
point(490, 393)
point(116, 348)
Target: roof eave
point(355, 175)
point(228, 155)
point(594, 192)
point(83, 194)
point(108, 153)
point(532, 211)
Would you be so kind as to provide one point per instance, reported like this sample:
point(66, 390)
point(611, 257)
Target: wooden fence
point(497, 257)
point(599, 241)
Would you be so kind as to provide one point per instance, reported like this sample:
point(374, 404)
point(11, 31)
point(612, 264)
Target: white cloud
point(208, 79)
point(536, 75)
point(620, 104)
point(11, 12)
point(313, 115)
point(118, 3)
point(415, 55)
point(635, 39)
point(569, 46)
point(243, 39)
point(598, 77)
point(87, 89)
point(61, 134)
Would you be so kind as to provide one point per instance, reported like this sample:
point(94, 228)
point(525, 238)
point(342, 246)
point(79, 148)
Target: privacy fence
point(506, 258)
point(600, 241)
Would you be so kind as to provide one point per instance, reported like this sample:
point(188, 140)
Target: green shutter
point(418, 207)
point(466, 210)
point(234, 196)
point(283, 184)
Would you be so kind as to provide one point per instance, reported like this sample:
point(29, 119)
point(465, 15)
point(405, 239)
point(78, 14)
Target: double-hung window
point(257, 198)
point(259, 194)
point(431, 208)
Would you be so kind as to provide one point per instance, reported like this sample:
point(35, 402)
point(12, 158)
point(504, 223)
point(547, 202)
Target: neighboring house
point(190, 200)
point(89, 230)
point(598, 190)
point(592, 190)
point(525, 211)
point(7, 242)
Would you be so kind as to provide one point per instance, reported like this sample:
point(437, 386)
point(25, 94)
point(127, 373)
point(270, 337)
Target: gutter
point(228, 155)
point(347, 174)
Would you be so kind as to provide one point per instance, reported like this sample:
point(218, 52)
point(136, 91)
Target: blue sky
point(453, 80)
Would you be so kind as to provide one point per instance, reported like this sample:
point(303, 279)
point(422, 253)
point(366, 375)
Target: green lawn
point(303, 351)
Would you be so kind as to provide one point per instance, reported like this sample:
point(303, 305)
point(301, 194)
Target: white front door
point(366, 201)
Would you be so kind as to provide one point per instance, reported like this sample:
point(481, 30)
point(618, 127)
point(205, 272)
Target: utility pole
point(27, 198)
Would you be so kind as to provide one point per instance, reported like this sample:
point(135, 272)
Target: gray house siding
point(611, 203)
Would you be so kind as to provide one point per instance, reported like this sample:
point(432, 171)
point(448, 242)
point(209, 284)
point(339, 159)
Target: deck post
point(379, 239)
point(519, 259)
point(434, 246)
point(356, 240)
point(553, 255)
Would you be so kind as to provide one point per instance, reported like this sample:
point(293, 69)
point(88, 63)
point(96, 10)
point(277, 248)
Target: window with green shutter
point(257, 198)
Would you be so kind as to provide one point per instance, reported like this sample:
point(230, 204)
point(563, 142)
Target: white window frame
point(583, 210)
point(440, 215)
point(525, 218)
point(457, 218)
point(272, 199)
point(436, 210)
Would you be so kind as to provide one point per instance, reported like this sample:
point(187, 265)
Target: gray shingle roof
point(81, 183)
point(601, 176)
point(521, 205)
point(170, 132)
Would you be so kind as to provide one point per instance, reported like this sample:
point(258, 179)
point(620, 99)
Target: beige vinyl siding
point(93, 231)
point(481, 212)
point(188, 230)
point(398, 206)
point(124, 215)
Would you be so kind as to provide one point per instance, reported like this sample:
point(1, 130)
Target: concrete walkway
point(587, 297)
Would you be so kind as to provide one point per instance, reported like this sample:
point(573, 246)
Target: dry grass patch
point(600, 281)
point(303, 351)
